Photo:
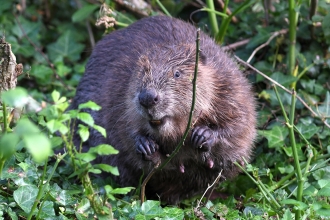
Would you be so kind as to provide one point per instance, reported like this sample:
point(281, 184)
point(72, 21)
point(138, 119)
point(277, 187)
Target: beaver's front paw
point(145, 145)
point(202, 137)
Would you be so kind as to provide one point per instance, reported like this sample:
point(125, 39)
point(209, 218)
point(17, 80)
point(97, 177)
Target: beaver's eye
point(177, 74)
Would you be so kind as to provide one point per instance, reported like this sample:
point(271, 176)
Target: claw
point(146, 146)
point(202, 138)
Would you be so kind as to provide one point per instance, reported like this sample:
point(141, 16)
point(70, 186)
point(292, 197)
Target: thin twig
point(209, 187)
point(146, 180)
point(246, 41)
point(236, 44)
point(275, 34)
point(314, 114)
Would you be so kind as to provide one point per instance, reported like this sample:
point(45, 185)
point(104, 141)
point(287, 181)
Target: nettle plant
point(34, 188)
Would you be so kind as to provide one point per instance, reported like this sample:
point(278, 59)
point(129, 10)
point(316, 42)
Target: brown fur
point(145, 56)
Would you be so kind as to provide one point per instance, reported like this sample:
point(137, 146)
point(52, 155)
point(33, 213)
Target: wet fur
point(146, 55)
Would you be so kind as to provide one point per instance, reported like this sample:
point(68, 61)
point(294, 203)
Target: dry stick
point(275, 34)
point(178, 147)
point(236, 44)
point(146, 180)
point(246, 41)
point(42, 54)
point(209, 187)
point(285, 89)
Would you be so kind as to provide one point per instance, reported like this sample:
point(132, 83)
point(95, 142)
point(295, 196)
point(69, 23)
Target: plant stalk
point(225, 21)
point(4, 111)
point(163, 8)
point(290, 126)
point(212, 17)
point(293, 17)
point(40, 192)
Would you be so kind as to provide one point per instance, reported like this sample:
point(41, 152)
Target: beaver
point(141, 76)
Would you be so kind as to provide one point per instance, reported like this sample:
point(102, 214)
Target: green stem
point(121, 24)
point(4, 111)
point(163, 8)
point(290, 125)
point(58, 160)
point(292, 36)
point(40, 192)
point(225, 22)
point(215, 12)
point(267, 195)
point(212, 17)
point(192, 106)
point(281, 104)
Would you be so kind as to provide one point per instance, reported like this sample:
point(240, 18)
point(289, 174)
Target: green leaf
point(54, 125)
point(107, 168)
point(90, 105)
point(86, 118)
point(24, 166)
point(324, 191)
point(276, 136)
point(47, 210)
point(56, 141)
point(25, 127)
point(123, 191)
point(307, 130)
point(12, 214)
point(8, 143)
point(284, 80)
point(323, 183)
point(31, 29)
point(17, 97)
point(83, 132)
point(326, 25)
point(101, 130)
point(62, 70)
point(311, 99)
point(288, 215)
point(323, 212)
point(65, 47)
point(286, 169)
point(324, 109)
point(151, 209)
point(83, 12)
point(39, 146)
point(103, 149)
point(63, 197)
point(172, 213)
point(259, 38)
point(42, 73)
point(299, 205)
point(25, 196)
point(87, 157)
point(95, 171)
point(83, 206)
point(55, 95)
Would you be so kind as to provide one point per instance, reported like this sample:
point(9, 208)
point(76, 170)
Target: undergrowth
point(289, 42)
